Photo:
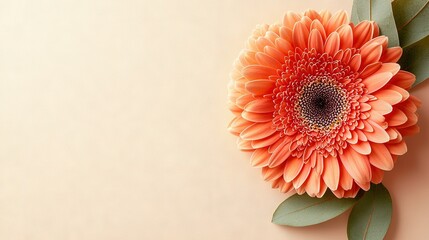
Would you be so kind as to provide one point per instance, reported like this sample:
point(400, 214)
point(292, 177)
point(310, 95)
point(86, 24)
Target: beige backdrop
point(113, 125)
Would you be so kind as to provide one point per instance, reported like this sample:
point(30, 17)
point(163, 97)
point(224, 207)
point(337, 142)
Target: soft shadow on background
point(113, 125)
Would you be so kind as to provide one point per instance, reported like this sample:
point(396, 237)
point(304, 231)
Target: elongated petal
point(381, 157)
point(377, 81)
point(300, 35)
point(262, 105)
point(293, 167)
point(357, 165)
point(381, 107)
point(302, 176)
point(379, 135)
point(315, 41)
point(257, 117)
point(312, 185)
point(332, 44)
point(258, 131)
point(390, 96)
point(346, 36)
point(362, 147)
point(338, 19)
point(346, 180)
point(266, 60)
point(331, 172)
point(258, 72)
point(280, 155)
point(260, 87)
point(265, 142)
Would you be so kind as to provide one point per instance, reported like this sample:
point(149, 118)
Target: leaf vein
point(415, 15)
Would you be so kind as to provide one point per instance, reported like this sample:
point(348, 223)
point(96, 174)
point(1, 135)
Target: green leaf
point(303, 210)
point(412, 20)
point(370, 218)
point(415, 59)
point(379, 11)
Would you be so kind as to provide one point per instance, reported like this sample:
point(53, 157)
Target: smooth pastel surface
point(113, 124)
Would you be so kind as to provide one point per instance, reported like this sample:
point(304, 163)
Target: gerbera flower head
point(321, 103)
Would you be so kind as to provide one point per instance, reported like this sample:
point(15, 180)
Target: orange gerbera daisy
point(321, 103)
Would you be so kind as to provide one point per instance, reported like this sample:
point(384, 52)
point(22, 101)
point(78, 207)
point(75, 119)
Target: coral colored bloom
point(321, 103)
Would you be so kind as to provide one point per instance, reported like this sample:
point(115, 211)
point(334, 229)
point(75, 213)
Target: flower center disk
point(321, 105)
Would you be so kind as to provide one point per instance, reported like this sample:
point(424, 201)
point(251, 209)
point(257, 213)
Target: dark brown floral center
point(321, 105)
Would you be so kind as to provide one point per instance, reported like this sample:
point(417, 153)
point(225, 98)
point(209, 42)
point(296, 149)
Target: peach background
point(113, 125)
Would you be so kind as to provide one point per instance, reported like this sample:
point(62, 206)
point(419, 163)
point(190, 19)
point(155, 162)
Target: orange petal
point(258, 72)
point(362, 147)
point(238, 124)
point(379, 135)
point(339, 193)
point(390, 67)
point(258, 131)
point(261, 105)
point(364, 107)
point(260, 157)
point(280, 154)
point(283, 45)
point(312, 185)
point(377, 81)
point(290, 19)
point(293, 167)
point(396, 117)
point(371, 53)
point(392, 54)
point(355, 62)
point(405, 94)
point(403, 79)
point(244, 145)
point(265, 142)
point(347, 56)
point(326, 16)
point(315, 41)
point(266, 60)
point(346, 181)
point(381, 107)
point(257, 117)
point(286, 34)
point(286, 187)
point(346, 36)
point(273, 52)
point(332, 44)
point(312, 14)
point(271, 173)
point(377, 175)
point(352, 192)
point(302, 176)
point(357, 165)
point(316, 24)
point(376, 117)
point(353, 139)
point(244, 100)
point(260, 87)
point(362, 33)
point(390, 96)
point(380, 40)
point(331, 172)
point(381, 157)
point(323, 189)
point(262, 42)
point(365, 186)
point(369, 69)
point(300, 35)
point(397, 148)
point(338, 19)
